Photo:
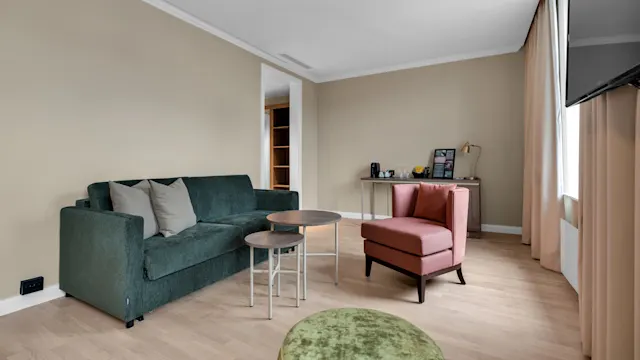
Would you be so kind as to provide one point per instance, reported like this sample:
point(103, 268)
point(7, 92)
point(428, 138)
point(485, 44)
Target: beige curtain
point(609, 265)
point(542, 200)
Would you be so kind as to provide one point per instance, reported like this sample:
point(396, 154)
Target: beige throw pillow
point(135, 200)
point(172, 207)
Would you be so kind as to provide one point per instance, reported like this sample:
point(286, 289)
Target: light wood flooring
point(510, 309)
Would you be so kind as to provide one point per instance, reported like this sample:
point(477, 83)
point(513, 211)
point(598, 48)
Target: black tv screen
point(603, 48)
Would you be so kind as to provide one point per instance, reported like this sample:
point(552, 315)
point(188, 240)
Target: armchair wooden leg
point(460, 277)
point(422, 282)
point(368, 266)
point(129, 324)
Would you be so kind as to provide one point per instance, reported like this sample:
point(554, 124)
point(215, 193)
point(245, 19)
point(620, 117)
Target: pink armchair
point(418, 247)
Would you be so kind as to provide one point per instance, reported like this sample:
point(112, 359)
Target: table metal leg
point(270, 291)
point(251, 276)
point(337, 251)
point(304, 263)
point(362, 200)
point(278, 275)
point(373, 201)
point(298, 275)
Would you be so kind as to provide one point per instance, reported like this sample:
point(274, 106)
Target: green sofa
point(105, 262)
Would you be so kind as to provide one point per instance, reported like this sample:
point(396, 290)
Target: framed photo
point(443, 163)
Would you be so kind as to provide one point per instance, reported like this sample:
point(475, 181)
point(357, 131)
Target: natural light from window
point(572, 151)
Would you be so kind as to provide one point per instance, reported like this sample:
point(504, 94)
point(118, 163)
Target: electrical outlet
point(31, 285)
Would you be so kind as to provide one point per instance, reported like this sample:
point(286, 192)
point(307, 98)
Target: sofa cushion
point(172, 206)
point(135, 200)
point(201, 242)
point(249, 222)
point(214, 197)
point(431, 203)
point(412, 235)
point(100, 197)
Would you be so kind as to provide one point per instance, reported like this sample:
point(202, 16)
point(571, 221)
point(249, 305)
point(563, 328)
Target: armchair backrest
point(404, 198)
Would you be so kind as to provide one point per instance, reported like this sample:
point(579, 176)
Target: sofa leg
point(129, 324)
point(460, 277)
point(368, 266)
point(68, 295)
point(422, 282)
point(140, 318)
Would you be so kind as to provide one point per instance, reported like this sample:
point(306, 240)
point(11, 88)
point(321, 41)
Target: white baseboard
point(16, 303)
point(358, 216)
point(501, 229)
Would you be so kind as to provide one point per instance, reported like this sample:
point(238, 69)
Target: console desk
point(475, 217)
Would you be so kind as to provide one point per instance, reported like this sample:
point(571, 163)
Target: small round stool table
point(352, 333)
point(273, 240)
point(306, 218)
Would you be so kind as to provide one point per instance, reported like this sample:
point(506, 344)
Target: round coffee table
point(306, 218)
point(273, 240)
point(357, 334)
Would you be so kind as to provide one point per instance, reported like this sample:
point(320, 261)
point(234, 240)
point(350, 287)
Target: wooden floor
point(510, 309)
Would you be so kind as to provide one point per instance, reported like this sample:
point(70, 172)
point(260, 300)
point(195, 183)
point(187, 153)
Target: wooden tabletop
point(304, 218)
point(419, 180)
point(273, 239)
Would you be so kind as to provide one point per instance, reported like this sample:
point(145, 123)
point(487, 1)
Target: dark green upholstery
point(276, 200)
point(105, 262)
point(101, 259)
point(214, 197)
point(248, 222)
point(164, 256)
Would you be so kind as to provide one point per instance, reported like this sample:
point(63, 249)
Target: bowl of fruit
point(420, 172)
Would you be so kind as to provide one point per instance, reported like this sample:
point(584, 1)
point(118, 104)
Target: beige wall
point(398, 118)
point(93, 90)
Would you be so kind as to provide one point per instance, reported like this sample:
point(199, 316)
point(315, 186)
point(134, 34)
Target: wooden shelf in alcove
point(279, 186)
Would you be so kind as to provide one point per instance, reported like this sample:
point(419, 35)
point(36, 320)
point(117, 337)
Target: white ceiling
point(340, 39)
point(276, 84)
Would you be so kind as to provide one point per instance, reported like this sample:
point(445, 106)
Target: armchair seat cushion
point(249, 222)
point(199, 243)
point(412, 235)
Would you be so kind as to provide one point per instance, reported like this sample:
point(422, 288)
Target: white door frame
point(295, 132)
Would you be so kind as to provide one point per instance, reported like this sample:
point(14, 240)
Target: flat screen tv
point(603, 50)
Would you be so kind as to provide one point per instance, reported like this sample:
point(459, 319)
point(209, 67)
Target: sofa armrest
point(101, 259)
point(277, 200)
point(403, 199)
point(83, 203)
point(457, 213)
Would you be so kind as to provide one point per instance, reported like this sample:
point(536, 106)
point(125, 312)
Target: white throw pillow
point(172, 206)
point(135, 200)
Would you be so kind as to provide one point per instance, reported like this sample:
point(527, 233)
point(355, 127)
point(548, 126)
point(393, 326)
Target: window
point(571, 150)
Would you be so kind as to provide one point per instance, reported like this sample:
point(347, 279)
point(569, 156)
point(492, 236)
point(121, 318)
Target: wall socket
point(31, 285)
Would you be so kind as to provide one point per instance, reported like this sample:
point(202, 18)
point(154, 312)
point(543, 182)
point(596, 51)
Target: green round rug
point(361, 334)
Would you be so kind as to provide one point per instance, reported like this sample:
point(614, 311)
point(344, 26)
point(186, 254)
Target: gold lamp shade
point(466, 148)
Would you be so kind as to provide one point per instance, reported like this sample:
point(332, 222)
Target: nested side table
point(307, 218)
point(274, 240)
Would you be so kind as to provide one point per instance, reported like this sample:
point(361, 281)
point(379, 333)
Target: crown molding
point(422, 63)
point(199, 23)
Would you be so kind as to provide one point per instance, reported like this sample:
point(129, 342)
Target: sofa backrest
point(100, 198)
point(212, 197)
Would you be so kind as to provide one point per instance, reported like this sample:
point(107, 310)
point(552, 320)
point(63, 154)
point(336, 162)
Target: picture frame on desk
point(443, 163)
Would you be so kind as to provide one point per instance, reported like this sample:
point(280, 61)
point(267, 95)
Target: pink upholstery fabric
point(412, 235)
point(457, 213)
point(419, 265)
point(403, 199)
point(431, 203)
